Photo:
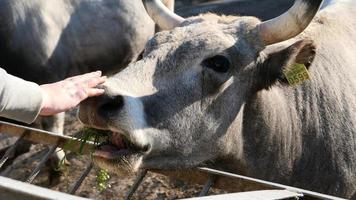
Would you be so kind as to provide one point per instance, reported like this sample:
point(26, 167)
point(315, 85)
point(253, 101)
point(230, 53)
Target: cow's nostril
point(111, 105)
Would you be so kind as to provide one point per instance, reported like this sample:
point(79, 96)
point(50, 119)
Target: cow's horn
point(160, 14)
point(289, 24)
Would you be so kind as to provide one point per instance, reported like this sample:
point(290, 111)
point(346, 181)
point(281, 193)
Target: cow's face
point(181, 105)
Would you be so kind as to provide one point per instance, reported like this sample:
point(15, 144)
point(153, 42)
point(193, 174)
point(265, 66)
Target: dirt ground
point(154, 186)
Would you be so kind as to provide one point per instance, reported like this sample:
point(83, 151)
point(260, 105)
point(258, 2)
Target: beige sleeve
point(19, 99)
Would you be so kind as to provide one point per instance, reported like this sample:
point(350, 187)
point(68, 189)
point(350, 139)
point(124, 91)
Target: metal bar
point(11, 151)
point(260, 194)
point(17, 190)
point(136, 184)
point(79, 182)
point(30, 156)
point(44, 137)
point(207, 187)
point(40, 165)
point(276, 185)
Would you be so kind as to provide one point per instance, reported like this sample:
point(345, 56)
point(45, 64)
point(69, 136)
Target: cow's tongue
point(118, 141)
point(111, 151)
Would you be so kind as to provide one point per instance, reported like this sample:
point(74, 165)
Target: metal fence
point(12, 189)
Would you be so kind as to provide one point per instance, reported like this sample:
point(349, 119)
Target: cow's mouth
point(119, 154)
point(118, 146)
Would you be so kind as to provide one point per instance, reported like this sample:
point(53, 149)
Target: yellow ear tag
point(296, 74)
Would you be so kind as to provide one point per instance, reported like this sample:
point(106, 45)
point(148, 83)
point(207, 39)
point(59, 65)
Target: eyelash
point(217, 63)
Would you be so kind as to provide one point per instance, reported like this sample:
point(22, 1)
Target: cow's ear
point(273, 68)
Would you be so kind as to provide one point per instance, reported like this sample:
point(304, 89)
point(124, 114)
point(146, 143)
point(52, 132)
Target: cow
point(215, 91)
point(46, 41)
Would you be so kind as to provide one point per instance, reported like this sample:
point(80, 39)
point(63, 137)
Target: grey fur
point(45, 40)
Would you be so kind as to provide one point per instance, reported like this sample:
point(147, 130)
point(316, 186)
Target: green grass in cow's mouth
point(99, 137)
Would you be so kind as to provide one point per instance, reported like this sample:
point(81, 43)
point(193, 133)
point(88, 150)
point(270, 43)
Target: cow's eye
point(217, 63)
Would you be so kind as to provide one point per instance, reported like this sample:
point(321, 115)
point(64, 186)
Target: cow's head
point(181, 105)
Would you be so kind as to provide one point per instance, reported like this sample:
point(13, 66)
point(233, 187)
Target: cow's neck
point(269, 134)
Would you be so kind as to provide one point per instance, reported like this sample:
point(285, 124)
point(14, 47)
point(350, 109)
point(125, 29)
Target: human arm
point(24, 101)
point(19, 99)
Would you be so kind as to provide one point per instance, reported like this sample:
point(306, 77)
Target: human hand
point(64, 95)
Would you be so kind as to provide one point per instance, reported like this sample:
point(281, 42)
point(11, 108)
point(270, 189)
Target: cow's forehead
point(199, 34)
point(184, 47)
point(199, 38)
point(204, 28)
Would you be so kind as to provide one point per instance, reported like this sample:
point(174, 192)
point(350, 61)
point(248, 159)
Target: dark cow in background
point(213, 92)
point(48, 40)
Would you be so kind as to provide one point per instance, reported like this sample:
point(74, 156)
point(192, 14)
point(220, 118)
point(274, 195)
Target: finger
point(89, 76)
point(96, 81)
point(86, 76)
point(95, 92)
